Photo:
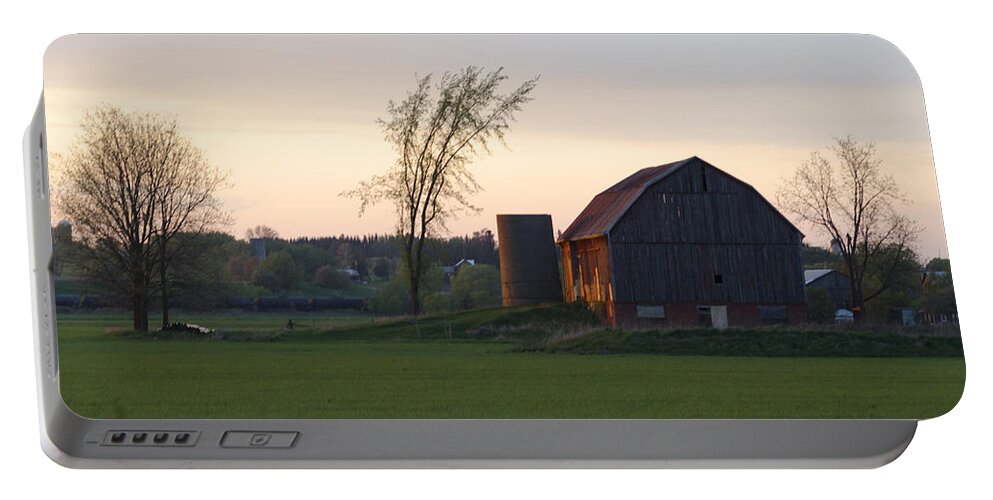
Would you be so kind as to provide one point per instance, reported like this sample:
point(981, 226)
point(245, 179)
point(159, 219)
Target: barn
point(684, 243)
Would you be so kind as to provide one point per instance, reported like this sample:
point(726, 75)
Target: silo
point(529, 268)
point(258, 247)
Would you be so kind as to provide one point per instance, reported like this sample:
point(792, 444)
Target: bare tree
point(185, 197)
point(436, 132)
point(129, 184)
point(262, 232)
point(855, 204)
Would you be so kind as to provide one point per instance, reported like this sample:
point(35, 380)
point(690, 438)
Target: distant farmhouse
point(836, 284)
point(684, 243)
point(449, 272)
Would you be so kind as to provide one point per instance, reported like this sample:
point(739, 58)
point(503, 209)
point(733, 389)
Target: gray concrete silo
point(258, 247)
point(529, 267)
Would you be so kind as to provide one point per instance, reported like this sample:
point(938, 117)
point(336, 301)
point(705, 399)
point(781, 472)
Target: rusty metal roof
point(607, 207)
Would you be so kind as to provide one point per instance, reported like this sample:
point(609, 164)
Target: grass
point(466, 365)
point(744, 342)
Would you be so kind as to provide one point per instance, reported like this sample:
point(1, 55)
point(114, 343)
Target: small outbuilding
point(836, 284)
point(684, 243)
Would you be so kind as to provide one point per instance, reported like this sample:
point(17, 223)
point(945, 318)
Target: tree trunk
point(415, 295)
point(163, 284)
point(165, 293)
point(855, 289)
point(419, 264)
point(139, 299)
point(414, 275)
point(858, 304)
point(139, 310)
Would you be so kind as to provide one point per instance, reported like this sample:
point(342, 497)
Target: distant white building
point(450, 271)
point(835, 246)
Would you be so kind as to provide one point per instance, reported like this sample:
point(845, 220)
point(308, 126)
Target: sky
point(293, 117)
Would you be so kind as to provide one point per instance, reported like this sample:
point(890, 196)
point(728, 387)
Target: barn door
point(719, 317)
point(703, 316)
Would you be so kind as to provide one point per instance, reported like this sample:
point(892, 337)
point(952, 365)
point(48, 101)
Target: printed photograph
point(496, 227)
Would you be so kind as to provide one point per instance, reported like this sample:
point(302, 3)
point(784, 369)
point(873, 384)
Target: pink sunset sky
point(293, 118)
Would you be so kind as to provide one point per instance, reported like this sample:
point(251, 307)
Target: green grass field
point(467, 365)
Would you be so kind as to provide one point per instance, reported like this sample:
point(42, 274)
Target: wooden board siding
point(586, 272)
point(698, 222)
point(677, 209)
point(685, 272)
point(569, 269)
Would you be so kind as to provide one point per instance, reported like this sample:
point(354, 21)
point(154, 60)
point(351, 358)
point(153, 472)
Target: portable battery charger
point(486, 251)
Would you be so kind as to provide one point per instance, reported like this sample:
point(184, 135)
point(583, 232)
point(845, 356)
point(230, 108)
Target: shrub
point(382, 269)
point(436, 302)
point(329, 277)
point(394, 296)
point(475, 287)
point(278, 272)
point(820, 305)
point(309, 257)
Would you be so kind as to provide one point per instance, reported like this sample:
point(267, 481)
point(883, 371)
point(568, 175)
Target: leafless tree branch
point(854, 203)
point(436, 132)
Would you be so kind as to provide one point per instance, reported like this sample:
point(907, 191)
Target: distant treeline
point(73, 301)
point(479, 246)
point(214, 269)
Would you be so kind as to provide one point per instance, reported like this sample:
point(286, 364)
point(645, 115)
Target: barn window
point(773, 314)
point(718, 279)
point(651, 311)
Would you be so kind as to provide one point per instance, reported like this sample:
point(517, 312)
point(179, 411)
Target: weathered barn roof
point(607, 208)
